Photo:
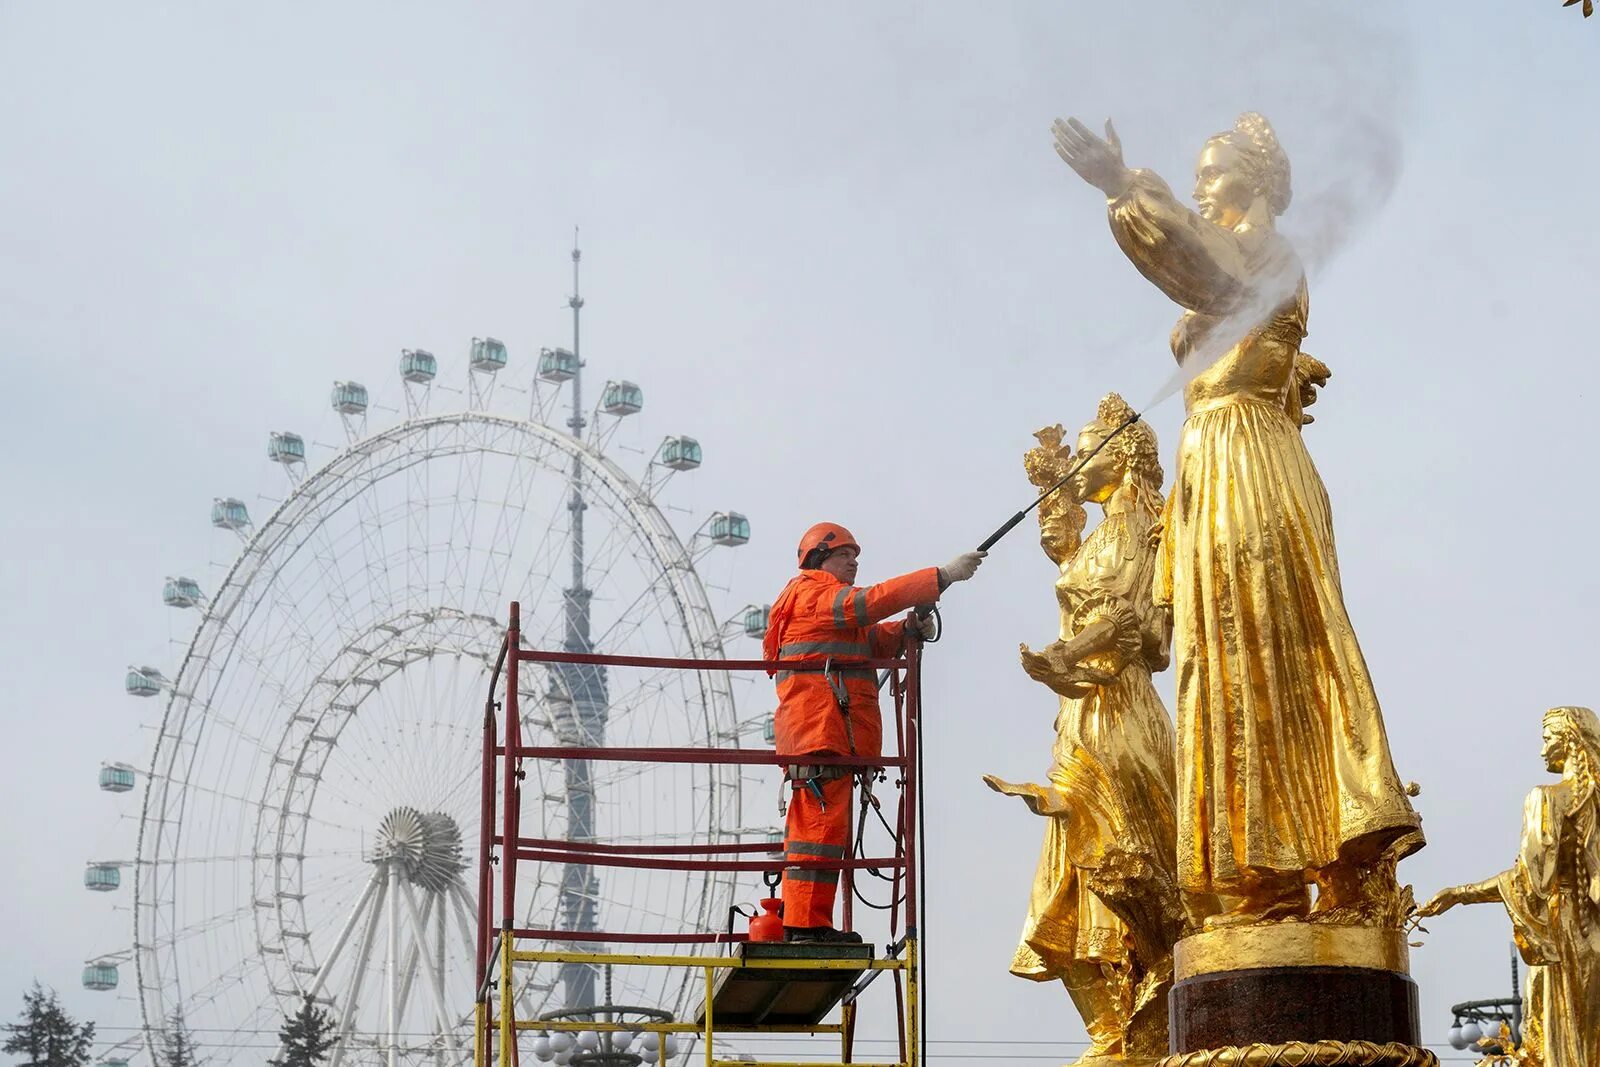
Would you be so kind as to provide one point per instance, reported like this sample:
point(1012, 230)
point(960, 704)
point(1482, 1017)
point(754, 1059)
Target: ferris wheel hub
point(425, 848)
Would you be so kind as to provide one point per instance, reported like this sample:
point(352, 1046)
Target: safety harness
point(811, 776)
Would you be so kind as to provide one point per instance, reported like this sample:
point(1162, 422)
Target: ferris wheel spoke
point(630, 614)
point(458, 547)
point(506, 530)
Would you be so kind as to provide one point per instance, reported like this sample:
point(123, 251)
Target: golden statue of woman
point(1553, 894)
point(1109, 794)
point(1284, 771)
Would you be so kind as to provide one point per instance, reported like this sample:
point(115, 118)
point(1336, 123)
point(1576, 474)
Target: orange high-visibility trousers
point(816, 830)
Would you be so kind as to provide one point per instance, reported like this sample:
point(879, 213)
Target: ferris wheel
point(310, 806)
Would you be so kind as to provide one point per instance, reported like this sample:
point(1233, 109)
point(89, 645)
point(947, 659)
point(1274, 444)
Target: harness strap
point(841, 696)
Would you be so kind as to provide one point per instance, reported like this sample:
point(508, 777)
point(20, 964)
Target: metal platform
point(779, 996)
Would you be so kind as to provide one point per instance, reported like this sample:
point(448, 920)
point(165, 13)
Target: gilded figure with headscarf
point(1104, 912)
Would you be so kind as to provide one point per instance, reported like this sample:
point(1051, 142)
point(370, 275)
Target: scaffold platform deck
point(798, 996)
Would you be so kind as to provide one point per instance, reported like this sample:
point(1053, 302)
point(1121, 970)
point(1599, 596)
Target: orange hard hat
point(826, 535)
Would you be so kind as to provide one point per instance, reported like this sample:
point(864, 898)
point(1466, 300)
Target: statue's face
point(1220, 185)
point(1099, 477)
point(1555, 747)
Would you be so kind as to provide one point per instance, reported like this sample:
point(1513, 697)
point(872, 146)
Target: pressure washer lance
point(924, 610)
point(1083, 461)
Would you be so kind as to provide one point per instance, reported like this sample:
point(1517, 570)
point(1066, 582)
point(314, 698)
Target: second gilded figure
point(1103, 912)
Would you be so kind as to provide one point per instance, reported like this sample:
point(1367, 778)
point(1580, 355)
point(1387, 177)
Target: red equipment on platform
point(768, 926)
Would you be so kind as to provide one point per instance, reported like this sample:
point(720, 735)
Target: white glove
point(923, 626)
point(962, 567)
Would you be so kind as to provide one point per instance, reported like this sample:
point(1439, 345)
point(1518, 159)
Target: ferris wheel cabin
point(417, 366)
point(180, 592)
point(349, 398)
point(557, 365)
point(622, 398)
point(100, 976)
point(102, 877)
point(680, 453)
point(730, 528)
point(144, 681)
point(756, 618)
point(286, 448)
point(488, 355)
point(116, 777)
point(229, 513)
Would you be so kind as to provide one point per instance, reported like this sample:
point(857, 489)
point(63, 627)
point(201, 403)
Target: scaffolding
point(745, 989)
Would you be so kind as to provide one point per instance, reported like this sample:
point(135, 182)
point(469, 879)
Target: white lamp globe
point(1457, 1041)
point(649, 1055)
point(669, 1046)
point(589, 1041)
point(652, 1041)
point(561, 1041)
point(621, 1039)
point(541, 1048)
point(1471, 1032)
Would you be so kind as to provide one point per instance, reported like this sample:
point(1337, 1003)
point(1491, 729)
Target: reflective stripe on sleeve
point(861, 607)
point(838, 608)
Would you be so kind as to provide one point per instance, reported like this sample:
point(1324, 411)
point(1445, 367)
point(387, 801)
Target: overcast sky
point(832, 242)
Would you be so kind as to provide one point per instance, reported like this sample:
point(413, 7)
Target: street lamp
point(1478, 1019)
point(623, 1044)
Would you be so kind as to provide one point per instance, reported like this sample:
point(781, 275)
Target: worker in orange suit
point(822, 617)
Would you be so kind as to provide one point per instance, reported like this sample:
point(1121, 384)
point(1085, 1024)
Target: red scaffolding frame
point(501, 843)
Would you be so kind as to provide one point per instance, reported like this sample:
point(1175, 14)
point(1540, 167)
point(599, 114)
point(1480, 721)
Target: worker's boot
point(820, 935)
point(1096, 992)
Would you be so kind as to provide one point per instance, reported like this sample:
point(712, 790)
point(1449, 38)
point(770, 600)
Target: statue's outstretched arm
point(1197, 263)
point(1484, 892)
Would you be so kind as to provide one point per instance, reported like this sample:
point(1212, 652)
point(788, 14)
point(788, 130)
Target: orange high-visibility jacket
point(816, 617)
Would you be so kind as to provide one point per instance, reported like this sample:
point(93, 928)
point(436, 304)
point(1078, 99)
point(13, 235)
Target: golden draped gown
point(1111, 778)
point(1555, 913)
point(1283, 763)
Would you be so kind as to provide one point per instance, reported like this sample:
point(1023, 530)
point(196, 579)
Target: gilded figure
point(1552, 891)
point(1284, 771)
point(1104, 912)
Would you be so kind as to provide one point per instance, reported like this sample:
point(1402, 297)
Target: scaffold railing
point(502, 945)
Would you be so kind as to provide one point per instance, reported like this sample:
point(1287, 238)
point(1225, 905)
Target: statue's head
point(1242, 169)
point(1131, 458)
point(1571, 734)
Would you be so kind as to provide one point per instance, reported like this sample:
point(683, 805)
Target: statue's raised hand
point(1098, 162)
